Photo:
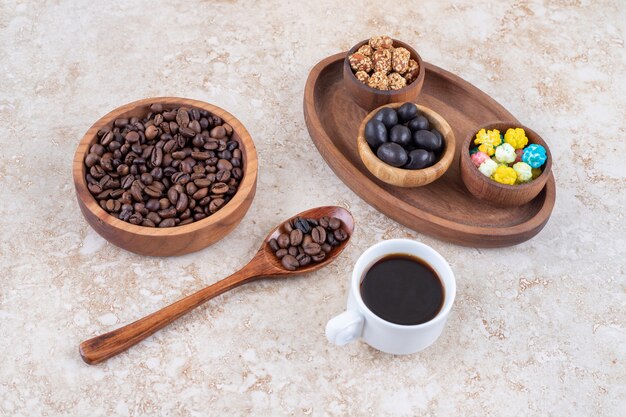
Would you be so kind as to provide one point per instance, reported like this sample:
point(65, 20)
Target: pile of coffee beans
point(303, 241)
point(403, 138)
point(170, 168)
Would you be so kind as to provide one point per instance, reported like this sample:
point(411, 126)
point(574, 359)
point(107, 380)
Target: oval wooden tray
point(443, 209)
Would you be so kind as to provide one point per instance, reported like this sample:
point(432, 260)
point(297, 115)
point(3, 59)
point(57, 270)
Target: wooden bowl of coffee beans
point(165, 176)
point(406, 144)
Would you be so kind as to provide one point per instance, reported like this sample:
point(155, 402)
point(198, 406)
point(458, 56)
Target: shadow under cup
point(400, 338)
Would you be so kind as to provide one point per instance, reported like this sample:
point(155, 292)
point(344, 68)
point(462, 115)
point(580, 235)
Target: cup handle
point(345, 328)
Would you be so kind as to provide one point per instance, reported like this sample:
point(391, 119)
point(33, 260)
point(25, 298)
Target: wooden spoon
point(263, 265)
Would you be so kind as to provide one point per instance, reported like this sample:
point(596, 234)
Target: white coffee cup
point(360, 322)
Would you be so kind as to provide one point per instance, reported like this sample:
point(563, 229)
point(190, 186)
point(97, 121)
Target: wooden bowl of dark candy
point(408, 177)
point(178, 239)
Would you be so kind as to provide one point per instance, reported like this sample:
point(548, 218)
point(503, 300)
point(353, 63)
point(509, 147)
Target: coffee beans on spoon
point(304, 241)
point(171, 167)
point(404, 138)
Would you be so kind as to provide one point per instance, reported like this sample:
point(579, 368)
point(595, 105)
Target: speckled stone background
point(538, 329)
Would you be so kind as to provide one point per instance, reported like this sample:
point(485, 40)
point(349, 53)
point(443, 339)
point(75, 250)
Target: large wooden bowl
point(408, 177)
point(485, 188)
point(370, 98)
point(176, 240)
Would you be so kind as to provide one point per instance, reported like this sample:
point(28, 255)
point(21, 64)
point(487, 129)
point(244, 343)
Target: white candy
point(505, 153)
point(523, 171)
point(488, 167)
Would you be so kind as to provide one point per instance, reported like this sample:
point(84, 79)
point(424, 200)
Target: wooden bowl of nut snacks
point(382, 70)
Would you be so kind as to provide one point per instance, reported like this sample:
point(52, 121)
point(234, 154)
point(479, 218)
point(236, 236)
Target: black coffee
point(402, 289)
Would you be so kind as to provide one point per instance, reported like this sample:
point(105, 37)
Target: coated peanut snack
point(379, 65)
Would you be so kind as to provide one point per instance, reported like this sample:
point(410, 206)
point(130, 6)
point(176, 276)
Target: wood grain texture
point(501, 194)
point(371, 98)
point(177, 240)
point(263, 265)
point(444, 208)
point(408, 177)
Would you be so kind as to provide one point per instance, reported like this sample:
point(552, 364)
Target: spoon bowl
point(263, 265)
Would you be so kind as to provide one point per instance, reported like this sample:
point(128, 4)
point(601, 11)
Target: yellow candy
point(505, 175)
point(516, 138)
point(488, 140)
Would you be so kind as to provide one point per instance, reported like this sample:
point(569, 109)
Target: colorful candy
point(488, 140)
point(479, 157)
point(488, 168)
point(504, 175)
point(535, 155)
point(505, 153)
point(523, 171)
point(507, 159)
point(516, 138)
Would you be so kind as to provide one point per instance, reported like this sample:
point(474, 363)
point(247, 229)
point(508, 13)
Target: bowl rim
point(420, 76)
point(444, 161)
point(246, 185)
point(533, 137)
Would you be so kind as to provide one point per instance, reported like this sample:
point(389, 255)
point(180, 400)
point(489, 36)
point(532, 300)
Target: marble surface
point(536, 330)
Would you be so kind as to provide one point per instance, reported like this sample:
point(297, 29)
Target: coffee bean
point(153, 204)
point(215, 205)
point(95, 188)
point(153, 217)
point(295, 237)
point(132, 137)
point(283, 240)
point(218, 132)
point(340, 235)
point(303, 259)
point(151, 132)
point(318, 234)
point(91, 160)
point(293, 251)
point(136, 219)
point(224, 164)
point(182, 117)
point(187, 132)
point(183, 203)
point(222, 175)
point(302, 224)
point(152, 191)
point(136, 192)
point(167, 223)
point(202, 182)
point(172, 195)
point(200, 194)
point(290, 262)
point(311, 248)
point(334, 223)
point(219, 188)
point(288, 227)
point(167, 213)
point(319, 257)
point(280, 253)
point(274, 245)
point(326, 247)
point(125, 215)
point(146, 178)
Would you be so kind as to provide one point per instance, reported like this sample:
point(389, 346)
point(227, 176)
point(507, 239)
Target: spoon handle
point(102, 347)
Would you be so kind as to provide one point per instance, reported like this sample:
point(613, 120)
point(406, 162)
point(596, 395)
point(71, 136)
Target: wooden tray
point(443, 209)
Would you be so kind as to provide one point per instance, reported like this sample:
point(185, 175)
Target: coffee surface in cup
point(403, 289)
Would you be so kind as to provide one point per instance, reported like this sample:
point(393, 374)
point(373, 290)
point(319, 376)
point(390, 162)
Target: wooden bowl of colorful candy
point(505, 163)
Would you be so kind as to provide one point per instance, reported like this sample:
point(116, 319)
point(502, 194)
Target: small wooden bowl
point(408, 177)
point(370, 98)
point(176, 240)
point(485, 188)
